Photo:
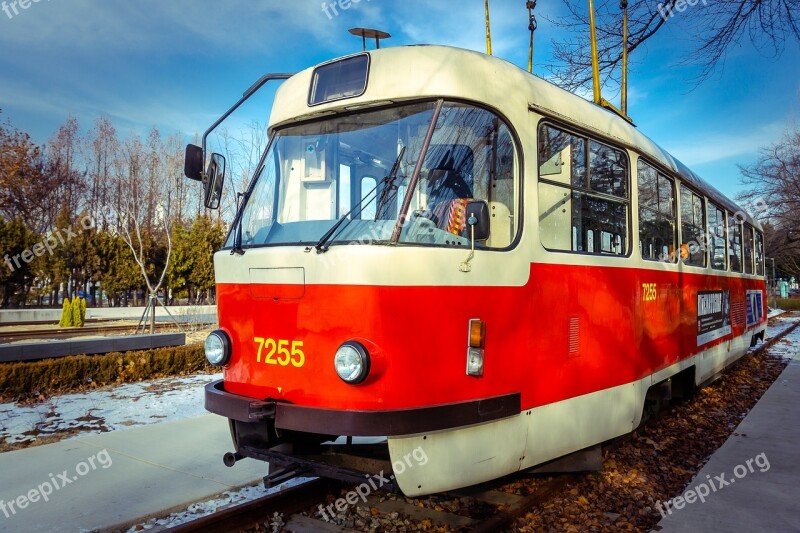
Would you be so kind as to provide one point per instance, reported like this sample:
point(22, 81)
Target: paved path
point(116, 479)
point(765, 497)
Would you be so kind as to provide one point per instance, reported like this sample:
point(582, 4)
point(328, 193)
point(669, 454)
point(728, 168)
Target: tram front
point(341, 286)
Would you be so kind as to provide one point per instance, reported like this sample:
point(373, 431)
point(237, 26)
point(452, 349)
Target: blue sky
point(179, 64)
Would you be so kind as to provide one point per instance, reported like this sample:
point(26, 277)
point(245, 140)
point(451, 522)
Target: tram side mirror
point(478, 218)
point(193, 164)
point(215, 179)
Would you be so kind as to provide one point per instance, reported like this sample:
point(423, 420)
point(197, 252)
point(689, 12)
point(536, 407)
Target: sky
point(179, 64)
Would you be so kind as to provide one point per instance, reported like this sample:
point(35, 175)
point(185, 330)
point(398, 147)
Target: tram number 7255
point(649, 292)
point(286, 354)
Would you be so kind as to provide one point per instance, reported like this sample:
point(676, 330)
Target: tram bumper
point(297, 440)
point(291, 417)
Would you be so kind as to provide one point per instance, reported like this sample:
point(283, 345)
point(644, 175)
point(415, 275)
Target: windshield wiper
point(322, 245)
point(389, 180)
point(237, 237)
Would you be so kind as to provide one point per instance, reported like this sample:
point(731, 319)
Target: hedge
point(20, 381)
point(787, 304)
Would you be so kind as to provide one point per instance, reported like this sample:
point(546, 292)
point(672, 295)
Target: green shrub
point(76, 313)
point(66, 315)
point(19, 381)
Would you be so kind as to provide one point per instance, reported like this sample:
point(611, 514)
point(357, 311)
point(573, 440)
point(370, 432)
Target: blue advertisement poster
point(755, 307)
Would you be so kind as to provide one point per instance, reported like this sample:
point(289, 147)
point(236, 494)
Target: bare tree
point(63, 160)
point(144, 214)
point(184, 190)
point(100, 150)
point(774, 183)
point(767, 24)
point(242, 151)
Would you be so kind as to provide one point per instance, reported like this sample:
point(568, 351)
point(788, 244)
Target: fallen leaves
point(660, 459)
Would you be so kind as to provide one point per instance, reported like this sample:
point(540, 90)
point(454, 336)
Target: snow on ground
point(106, 409)
point(779, 324)
point(774, 312)
point(201, 509)
point(788, 347)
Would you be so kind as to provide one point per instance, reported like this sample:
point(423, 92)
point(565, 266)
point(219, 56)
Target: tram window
point(600, 225)
point(759, 253)
point(748, 249)
point(716, 238)
point(562, 157)
point(735, 244)
point(693, 228)
point(576, 214)
point(346, 78)
point(657, 230)
point(344, 190)
point(471, 156)
point(368, 191)
point(608, 170)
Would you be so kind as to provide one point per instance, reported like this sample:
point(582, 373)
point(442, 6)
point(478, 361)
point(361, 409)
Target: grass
point(31, 380)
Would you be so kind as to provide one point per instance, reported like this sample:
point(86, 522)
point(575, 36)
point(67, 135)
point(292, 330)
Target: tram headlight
point(218, 348)
point(352, 362)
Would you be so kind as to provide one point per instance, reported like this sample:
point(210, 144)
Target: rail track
point(494, 508)
point(62, 333)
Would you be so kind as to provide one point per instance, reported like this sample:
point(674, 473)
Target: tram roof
point(403, 73)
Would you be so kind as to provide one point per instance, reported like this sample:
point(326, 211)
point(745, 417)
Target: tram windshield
point(359, 167)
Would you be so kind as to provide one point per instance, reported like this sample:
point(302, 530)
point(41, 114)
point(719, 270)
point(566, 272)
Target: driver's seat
point(447, 198)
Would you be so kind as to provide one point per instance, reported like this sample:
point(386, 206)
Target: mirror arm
point(247, 94)
point(465, 266)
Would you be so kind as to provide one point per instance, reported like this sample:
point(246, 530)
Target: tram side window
point(748, 249)
point(716, 238)
point(759, 253)
point(735, 244)
point(693, 228)
point(575, 213)
point(657, 230)
point(608, 170)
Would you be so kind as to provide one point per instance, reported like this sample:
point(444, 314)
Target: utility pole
point(774, 285)
point(488, 29)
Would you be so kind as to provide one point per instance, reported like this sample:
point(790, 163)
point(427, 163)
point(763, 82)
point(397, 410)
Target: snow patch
point(201, 509)
point(107, 409)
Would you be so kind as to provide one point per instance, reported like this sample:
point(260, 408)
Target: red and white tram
point(448, 253)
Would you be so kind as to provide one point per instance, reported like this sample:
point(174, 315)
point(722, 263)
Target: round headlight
point(218, 348)
point(352, 362)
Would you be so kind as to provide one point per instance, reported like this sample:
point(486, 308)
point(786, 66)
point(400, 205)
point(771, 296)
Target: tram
point(441, 251)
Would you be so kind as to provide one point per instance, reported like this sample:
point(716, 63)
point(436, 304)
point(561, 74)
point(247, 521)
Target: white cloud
point(714, 146)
